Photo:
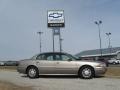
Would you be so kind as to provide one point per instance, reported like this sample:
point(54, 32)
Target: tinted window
point(55, 56)
point(58, 57)
point(41, 57)
point(68, 57)
point(50, 57)
point(65, 57)
point(62, 57)
point(45, 57)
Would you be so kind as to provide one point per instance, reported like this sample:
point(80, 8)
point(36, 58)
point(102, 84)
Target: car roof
point(53, 53)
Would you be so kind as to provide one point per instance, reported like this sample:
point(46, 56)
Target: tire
point(32, 72)
point(86, 72)
point(114, 63)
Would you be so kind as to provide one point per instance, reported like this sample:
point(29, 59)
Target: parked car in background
point(60, 63)
point(114, 61)
point(2, 63)
point(11, 63)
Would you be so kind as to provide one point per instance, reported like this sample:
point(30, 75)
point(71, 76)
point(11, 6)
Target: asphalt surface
point(112, 65)
point(61, 82)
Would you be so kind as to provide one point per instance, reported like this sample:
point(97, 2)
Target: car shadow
point(60, 76)
point(24, 76)
point(99, 77)
point(54, 76)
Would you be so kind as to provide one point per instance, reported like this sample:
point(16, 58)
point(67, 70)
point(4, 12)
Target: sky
point(20, 20)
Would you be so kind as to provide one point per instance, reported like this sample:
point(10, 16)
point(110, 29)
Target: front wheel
point(114, 63)
point(86, 72)
point(32, 72)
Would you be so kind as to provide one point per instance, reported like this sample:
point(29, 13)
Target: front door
point(65, 64)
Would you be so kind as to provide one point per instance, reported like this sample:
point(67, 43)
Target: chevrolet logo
point(55, 15)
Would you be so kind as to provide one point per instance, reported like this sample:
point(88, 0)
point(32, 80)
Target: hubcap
point(32, 72)
point(86, 72)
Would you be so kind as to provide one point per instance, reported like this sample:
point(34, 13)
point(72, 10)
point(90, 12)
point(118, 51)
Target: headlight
point(101, 65)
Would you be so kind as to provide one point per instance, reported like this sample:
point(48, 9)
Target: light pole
point(61, 44)
point(53, 40)
point(109, 45)
point(98, 24)
point(40, 33)
point(60, 41)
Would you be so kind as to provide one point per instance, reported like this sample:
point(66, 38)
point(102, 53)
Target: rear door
point(46, 63)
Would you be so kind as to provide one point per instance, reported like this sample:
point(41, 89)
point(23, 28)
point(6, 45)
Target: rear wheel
point(86, 72)
point(32, 72)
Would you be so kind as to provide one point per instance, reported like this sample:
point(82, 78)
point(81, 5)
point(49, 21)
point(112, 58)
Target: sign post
point(56, 21)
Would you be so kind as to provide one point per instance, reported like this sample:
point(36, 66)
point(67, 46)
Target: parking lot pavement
point(112, 65)
point(61, 82)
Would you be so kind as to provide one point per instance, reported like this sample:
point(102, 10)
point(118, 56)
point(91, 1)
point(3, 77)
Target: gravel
point(61, 82)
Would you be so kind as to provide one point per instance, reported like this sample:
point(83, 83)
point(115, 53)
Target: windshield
point(34, 57)
point(73, 57)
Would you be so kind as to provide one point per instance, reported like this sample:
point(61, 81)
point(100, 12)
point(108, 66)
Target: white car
point(2, 63)
point(114, 61)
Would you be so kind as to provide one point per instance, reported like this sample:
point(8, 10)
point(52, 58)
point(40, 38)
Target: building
point(107, 53)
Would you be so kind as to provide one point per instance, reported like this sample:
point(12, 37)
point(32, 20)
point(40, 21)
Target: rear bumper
point(100, 70)
point(21, 70)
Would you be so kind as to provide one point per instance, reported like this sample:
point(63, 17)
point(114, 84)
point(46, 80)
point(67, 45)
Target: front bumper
point(100, 70)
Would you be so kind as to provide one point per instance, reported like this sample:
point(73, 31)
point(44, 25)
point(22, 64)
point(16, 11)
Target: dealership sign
point(56, 18)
